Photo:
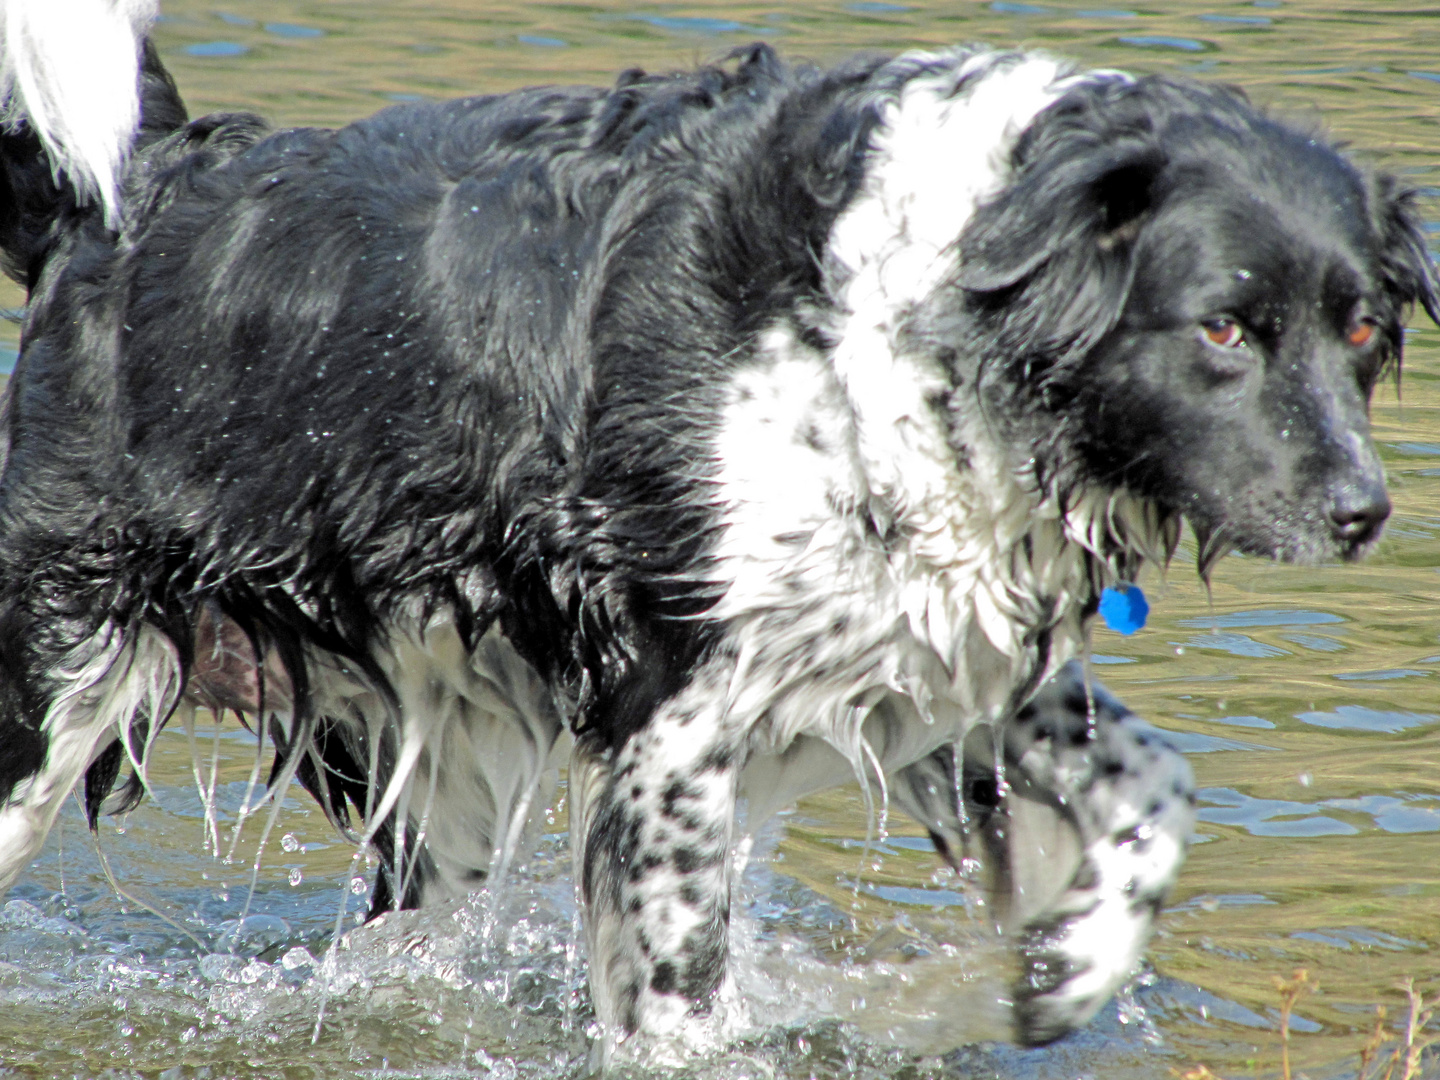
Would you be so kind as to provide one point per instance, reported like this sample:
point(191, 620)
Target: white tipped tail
point(71, 68)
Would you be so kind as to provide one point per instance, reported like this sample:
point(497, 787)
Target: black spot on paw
point(689, 859)
point(645, 865)
point(717, 759)
point(665, 979)
point(679, 789)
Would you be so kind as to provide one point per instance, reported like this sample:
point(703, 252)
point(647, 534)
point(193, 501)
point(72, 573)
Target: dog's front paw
point(1128, 797)
point(1077, 953)
point(1082, 823)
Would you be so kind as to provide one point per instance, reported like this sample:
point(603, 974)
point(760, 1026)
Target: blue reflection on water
point(692, 24)
point(1400, 813)
point(1239, 20)
point(1238, 645)
point(1314, 642)
point(217, 48)
point(1192, 742)
point(293, 30)
point(1264, 617)
point(1162, 41)
point(1244, 721)
point(1360, 718)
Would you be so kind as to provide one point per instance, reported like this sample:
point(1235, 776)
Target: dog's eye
point(1223, 332)
point(1361, 332)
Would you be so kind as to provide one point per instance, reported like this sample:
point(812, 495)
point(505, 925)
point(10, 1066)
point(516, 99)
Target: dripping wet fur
point(757, 428)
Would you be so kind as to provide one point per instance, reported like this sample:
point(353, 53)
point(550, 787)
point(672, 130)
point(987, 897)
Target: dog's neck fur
point(972, 578)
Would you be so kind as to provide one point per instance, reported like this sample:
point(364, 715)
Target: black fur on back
point(301, 388)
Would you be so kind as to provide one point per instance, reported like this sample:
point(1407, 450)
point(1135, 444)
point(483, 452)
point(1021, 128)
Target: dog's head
point(1185, 298)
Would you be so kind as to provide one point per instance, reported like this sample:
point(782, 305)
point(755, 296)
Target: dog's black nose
point(1358, 511)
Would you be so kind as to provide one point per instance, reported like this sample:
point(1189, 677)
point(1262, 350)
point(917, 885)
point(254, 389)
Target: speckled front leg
point(1082, 830)
point(1130, 798)
point(657, 818)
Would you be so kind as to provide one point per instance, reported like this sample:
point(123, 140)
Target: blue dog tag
point(1124, 608)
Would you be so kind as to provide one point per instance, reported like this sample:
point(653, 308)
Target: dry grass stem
point(1402, 1063)
point(1415, 1023)
point(1290, 991)
point(1373, 1043)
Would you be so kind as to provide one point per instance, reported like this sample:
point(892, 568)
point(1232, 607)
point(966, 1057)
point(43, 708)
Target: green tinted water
point(1308, 698)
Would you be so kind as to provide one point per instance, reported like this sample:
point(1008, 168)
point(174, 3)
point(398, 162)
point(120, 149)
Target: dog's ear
point(1051, 210)
point(1408, 270)
point(1062, 234)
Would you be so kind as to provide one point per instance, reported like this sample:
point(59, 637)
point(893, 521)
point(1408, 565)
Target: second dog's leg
point(652, 822)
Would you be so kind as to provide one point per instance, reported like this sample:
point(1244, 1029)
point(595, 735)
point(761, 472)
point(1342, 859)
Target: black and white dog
point(762, 426)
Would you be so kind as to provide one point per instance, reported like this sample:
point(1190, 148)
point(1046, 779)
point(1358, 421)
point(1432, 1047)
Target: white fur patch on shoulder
point(941, 149)
point(868, 562)
point(70, 68)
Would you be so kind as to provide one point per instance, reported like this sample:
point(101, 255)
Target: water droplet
point(297, 957)
point(296, 877)
point(289, 843)
point(253, 972)
point(357, 886)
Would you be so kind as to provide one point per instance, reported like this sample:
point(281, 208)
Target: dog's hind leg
point(112, 684)
point(651, 828)
point(1082, 825)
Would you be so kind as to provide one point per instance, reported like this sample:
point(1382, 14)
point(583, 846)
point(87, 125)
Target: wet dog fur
point(761, 427)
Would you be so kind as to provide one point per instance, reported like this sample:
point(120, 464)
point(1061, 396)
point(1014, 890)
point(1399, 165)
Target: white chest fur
point(840, 598)
point(867, 561)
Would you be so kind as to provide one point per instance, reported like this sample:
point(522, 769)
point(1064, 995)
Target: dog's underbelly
point(894, 731)
point(474, 751)
point(474, 757)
